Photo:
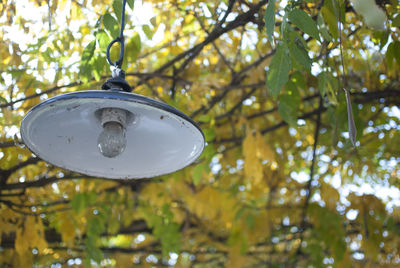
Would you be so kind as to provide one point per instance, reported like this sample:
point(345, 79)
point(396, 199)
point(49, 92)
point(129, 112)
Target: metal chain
point(120, 40)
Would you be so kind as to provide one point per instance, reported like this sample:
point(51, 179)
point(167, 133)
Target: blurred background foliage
point(279, 182)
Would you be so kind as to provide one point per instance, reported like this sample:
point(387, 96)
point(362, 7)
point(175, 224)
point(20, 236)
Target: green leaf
point(390, 55)
point(117, 7)
point(380, 38)
point(167, 231)
point(396, 21)
point(81, 200)
point(153, 22)
point(78, 202)
point(285, 27)
point(287, 107)
point(300, 55)
point(98, 22)
point(111, 25)
point(323, 83)
point(209, 134)
point(98, 67)
point(327, 84)
point(299, 80)
point(305, 23)
point(278, 73)
point(323, 29)
point(93, 252)
point(131, 3)
point(95, 226)
point(291, 89)
point(396, 51)
point(85, 67)
point(250, 220)
point(208, 152)
point(205, 118)
point(329, 227)
point(103, 40)
point(197, 173)
point(270, 20)
point(133, 48)
point(147, 30)
point(330, 14)
point(239, 213)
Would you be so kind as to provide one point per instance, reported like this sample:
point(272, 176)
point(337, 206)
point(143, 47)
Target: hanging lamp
point(112, 133)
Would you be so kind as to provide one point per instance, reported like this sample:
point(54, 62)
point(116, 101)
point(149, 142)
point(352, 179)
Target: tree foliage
point(279, 182)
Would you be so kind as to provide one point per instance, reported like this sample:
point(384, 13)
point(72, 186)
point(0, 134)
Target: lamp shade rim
point(117, 95)
point(33, 140)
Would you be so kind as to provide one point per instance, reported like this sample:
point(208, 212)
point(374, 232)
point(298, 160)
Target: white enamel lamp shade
point(64, 131)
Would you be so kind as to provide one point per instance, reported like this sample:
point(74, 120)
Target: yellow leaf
point(21, 243)
point(7, 115)
point(67, 229)
point(252, 166)
point(330, 196)
point(256, 153)
point(41, 242)
point(236, 260)
point(30, 236)
point(345, 262)
point(123, 260)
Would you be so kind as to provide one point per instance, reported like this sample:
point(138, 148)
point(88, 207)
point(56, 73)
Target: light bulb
point(112, 139)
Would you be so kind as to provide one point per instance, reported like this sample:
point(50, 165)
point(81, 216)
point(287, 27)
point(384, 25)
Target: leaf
point(21, 244)
point(278, 73)
point(250, 220)
point(328, 225)
point(350, 118)
point(147, 30)
point(111, 25)
point(197, 173)
point(305, 23)
point(133, 47)
point(131, 3)
point(66, 229)
point(209, 134)
point(287, 107)
point(300, 55)
point(331, 21)
point(205, 118)
point(153, 22)
point(88, 52)
point(323, 29)
point(270, 20)
point(396, 51)
point(81, 200)
point(390, 55)
point(117, 7)
point(7, 115)
point(78, 202)
point(323, 83)
point(252, 167)
point(167, 231)
point(95, 226)
point(396, 21)
point(98, 67)
point(327, 85)
point(330, 196)
point(93, 252)
point(103, 40)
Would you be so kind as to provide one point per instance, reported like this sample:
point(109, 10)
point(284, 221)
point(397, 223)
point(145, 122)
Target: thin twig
point(312, 171)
